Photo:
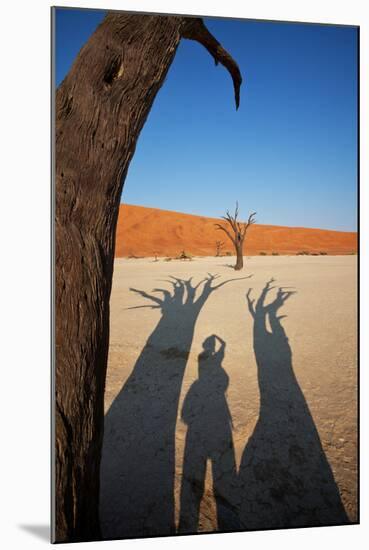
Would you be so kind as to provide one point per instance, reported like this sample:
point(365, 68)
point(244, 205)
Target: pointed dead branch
point(218, 226)
point(194, 29)
point(250, 221)
point(236, 211)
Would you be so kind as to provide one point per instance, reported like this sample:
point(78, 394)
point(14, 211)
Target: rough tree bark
point(237, 233)
point(101, 107)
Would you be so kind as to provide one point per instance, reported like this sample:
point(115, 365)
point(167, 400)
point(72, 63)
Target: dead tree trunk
point(237, 233)
point(101, 107)
point(239, 255)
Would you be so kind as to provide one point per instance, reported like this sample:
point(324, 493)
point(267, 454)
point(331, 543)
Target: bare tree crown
point(239, 229)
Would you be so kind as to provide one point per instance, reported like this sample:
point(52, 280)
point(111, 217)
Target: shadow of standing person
point(209, 436)
point(285, 477)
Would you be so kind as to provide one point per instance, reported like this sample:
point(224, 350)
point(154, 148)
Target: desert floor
point(259, 433)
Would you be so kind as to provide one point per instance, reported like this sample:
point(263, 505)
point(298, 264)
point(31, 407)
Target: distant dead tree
point(219, 245)
point(184, 256)
point(100, 109)
point(237, 233)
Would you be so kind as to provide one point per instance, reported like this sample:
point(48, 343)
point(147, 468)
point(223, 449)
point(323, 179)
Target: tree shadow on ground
point(209, 437)
point(230, 266)
point(285, 478)
point(138, 459)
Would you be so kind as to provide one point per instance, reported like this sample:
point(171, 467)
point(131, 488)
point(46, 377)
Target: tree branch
point(236, 211)
point(228, 218)
point(194, 29)
point(218, 226)
point(250, 221)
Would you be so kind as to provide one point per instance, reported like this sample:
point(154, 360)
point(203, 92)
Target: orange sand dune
point(145, 231)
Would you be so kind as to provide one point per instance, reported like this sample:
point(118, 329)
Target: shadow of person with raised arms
point(138, 460)
point(209, 436)
point(285, 477)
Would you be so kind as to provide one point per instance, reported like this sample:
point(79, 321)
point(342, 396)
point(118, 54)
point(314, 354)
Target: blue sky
point(289, 152)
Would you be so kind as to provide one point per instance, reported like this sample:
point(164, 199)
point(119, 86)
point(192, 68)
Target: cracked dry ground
point(229, 408)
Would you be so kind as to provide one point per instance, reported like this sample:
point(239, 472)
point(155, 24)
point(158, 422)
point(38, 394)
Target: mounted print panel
point(205, 359)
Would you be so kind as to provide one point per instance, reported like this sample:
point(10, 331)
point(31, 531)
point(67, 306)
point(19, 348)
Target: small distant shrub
point(275, 253)
point(315, 253)
point(323, 253)
point(303, 253)
point(167, 259)
point(218, 245)
point(184, 256)
point(228, 253)
point(262, 254)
